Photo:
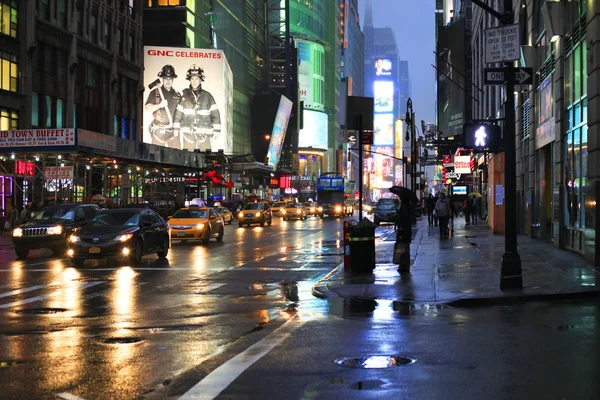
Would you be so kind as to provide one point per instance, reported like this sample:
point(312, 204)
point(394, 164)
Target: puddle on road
point(375, 362)
point(40, 311)
point(122, 340)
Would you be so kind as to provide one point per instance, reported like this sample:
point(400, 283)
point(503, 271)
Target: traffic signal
point(482, 137)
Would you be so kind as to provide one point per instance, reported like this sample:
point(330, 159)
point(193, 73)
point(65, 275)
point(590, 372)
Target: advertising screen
point(383, 67)
point(450, 78)
point(384, 164)
point(279, 129)
point(314, 134)
point(384, 96)
point(383, 132)
point(459, 190)
point(188, 99)
point(311, 59)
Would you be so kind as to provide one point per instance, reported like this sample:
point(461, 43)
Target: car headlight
point(74, 239)
point(200, 226)
point(240, 215)
point(298, 211)
point(283, 211)
point(18, 232)
point(320, 208)
point(258, 214)
point(123, 238)
point(338, 208)
point(55, 230)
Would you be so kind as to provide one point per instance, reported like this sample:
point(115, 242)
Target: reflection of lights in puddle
point(384, 310)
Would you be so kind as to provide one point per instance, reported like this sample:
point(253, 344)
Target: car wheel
point(164, 251)
point(207, 239)
point(78, 262)
point(220, 237)
point(21, 252)
point(240, 224)
point(270, 222)
point(262, 222)
point(137, 254)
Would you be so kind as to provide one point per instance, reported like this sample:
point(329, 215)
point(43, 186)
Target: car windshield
point(63, 213)
point(294, 206)
point(220, 210)
point(253, 206)
point(116, 218)
point(190, 214)
point(386, 206)
point(279, 204)
point(309, 204)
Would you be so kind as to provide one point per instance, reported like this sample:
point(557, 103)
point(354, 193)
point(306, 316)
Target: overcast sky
point(413, 22)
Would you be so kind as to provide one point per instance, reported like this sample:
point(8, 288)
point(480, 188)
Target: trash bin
point(362, 246)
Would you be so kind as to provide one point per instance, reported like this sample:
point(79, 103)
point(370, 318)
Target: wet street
point(237, 320)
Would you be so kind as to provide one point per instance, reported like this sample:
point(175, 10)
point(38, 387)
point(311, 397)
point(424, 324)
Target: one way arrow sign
point(495, 76)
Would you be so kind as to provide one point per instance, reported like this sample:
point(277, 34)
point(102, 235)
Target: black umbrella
point(404, 194)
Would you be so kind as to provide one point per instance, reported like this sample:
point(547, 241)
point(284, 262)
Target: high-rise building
point(403, 87)
point(382, 64)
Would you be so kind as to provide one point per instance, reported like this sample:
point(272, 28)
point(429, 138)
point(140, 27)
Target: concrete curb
point(473, 302)
point(320, 288)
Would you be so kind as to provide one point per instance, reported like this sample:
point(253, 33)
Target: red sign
point(285, 182)
point(26, 168)
point(444, 173)
point(274, 182)
point(447, 160)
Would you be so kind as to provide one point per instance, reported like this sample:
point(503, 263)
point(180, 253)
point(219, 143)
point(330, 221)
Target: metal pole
point(510, 273)
point(413, 147)
point(361, 169)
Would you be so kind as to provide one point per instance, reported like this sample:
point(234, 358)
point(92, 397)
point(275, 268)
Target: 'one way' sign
point(495, 76)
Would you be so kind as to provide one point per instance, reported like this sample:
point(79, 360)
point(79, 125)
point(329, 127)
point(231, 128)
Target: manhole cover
point(122, 340)
point(375, 362)
point(38, 311)
point(10, 363)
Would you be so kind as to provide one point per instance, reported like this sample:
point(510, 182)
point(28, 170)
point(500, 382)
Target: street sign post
point(495, 76)
point(367, 138)
point(502, 44)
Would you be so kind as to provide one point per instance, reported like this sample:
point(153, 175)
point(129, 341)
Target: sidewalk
point(464, 270)
point(5, 240)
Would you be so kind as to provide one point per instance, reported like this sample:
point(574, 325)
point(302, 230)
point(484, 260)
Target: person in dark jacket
point(430, 207)
point(444, 212)
point(197, 116)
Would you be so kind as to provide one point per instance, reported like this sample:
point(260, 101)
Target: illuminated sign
point(482, 137)
point(188, 99)
point(462, 164)
point(274, 182)
point(279, 129)
point(315, 132)
point(384, 96)
point(25, 168)
point(383, 131)
point(285, 182)
point(383, 67)
point(459, 190)
point(311, 64)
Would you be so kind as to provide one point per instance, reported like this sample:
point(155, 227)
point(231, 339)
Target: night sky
point(413, 22)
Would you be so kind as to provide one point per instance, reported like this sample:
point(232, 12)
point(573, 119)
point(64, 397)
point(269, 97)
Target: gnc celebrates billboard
point(188, 99)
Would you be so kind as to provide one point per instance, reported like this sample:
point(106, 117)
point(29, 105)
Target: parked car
point(295, 211)
point(197, 223)
point(122, 233)
point(255, 213)
point(50, 227)
point(225, 214)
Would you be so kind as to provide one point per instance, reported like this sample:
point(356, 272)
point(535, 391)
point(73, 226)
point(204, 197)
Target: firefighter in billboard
point(197, 117)
point(162, 103)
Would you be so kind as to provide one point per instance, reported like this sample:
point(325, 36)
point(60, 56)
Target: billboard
point(311, 66)
point(384, 96)
point(383, 130)
point(188, 99)
point(383, 67)
point(384, 163)
point(279, 129)
point(462, 164)
point(451, 79)
point(315, 131)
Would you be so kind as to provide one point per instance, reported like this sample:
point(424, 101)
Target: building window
point(62, 13)
point(576, 136)
point(131, 48)
point(9, 119)
point(48, 111)
point(8, 72)
point(44, 9)
point(35, 109)
point(163, 3)
point(94, 28)
point(107, 35)
point(60, 113)
point(50, 61)
point(8, 18)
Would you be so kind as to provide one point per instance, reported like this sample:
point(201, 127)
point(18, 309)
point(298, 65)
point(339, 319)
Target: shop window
point(8, 17)
point(9, 119)
point(8, 72)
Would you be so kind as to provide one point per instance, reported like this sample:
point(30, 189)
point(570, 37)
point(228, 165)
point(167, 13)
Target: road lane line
point(24, 290)
point(219, 379)
point(69, 396)
point(46, 296)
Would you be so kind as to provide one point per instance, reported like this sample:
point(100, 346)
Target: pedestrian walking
point(430, 208)
point(444, 211)
point(475, 211)
point(468, 208)
point(403, 219)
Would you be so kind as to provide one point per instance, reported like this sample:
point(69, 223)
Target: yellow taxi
point(196, 223)
point(311, 208)
point(257, 212)
point(225, 213)
point(278, 208)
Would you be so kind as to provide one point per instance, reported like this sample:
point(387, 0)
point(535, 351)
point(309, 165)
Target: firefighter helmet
point(195, 71)
point(167, 72)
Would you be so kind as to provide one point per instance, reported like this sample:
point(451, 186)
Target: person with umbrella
point(408, 200)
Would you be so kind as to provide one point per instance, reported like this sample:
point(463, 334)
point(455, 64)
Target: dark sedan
point(385, 212)
point(126, 234)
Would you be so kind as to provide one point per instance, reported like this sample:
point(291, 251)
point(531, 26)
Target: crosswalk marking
point(19, 291)
point(49, 295)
